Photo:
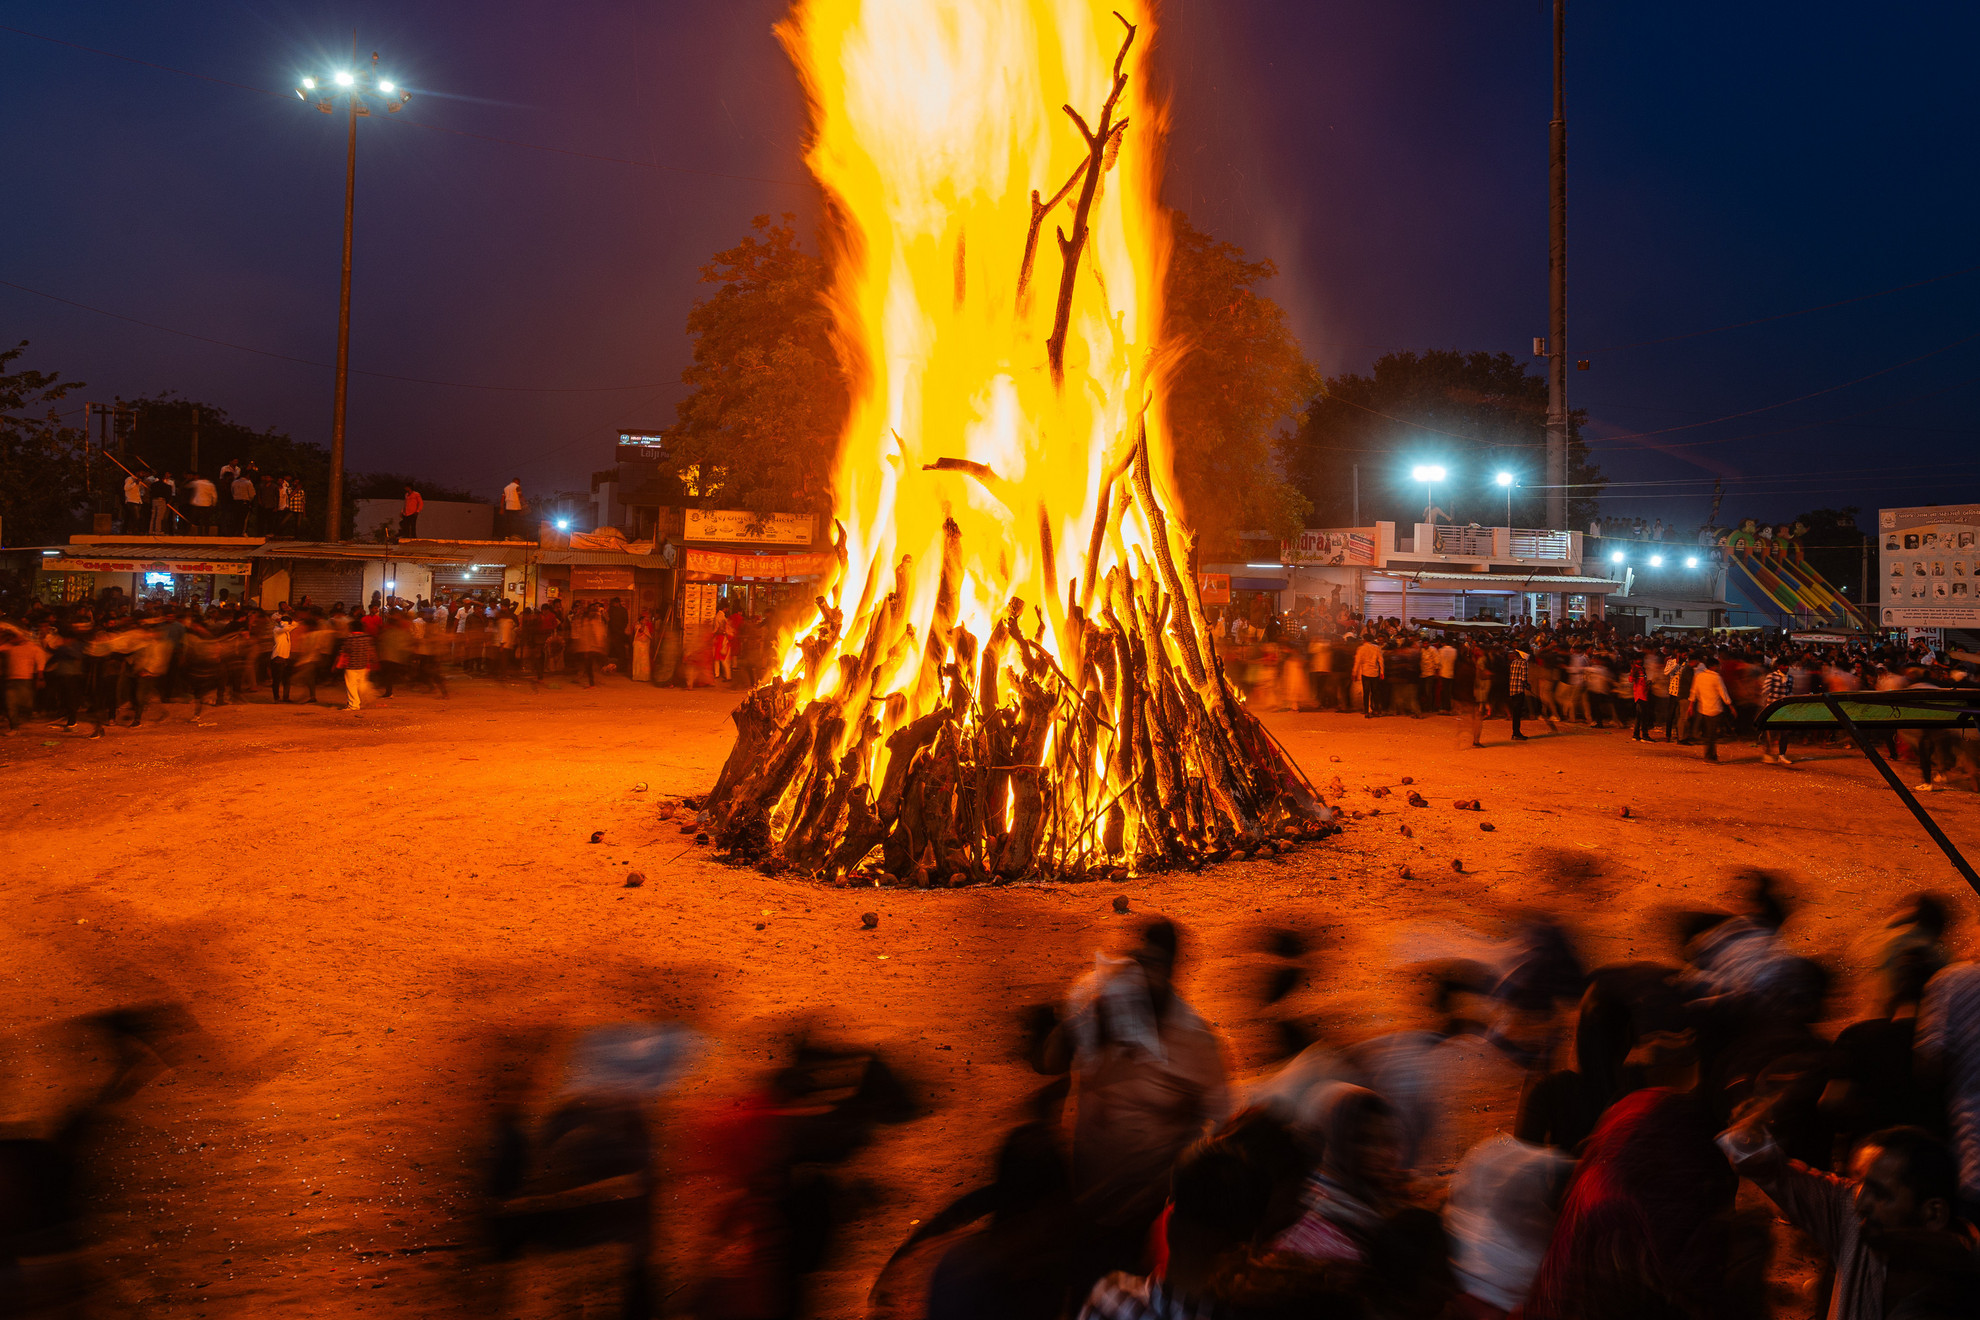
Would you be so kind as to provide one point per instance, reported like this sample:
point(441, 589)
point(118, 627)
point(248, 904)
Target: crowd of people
point(105, 664)
point(1671, 688)
point(242, 500)
point(1306, 1193)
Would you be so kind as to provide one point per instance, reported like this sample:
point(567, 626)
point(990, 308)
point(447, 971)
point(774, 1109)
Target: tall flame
point(1010, 673)
point(936, 130)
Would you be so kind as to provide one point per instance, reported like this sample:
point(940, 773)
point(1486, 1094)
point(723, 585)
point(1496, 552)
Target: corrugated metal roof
point(511, 555)
point(599, 557)
point(163, 550)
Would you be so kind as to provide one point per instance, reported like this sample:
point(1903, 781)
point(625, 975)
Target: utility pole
point(354, 84)
point(335, 514)
point(1557, 355)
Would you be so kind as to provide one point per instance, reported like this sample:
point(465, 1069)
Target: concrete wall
point(440, 520)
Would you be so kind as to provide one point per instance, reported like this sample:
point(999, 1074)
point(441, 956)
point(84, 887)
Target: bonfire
point(1010, 673)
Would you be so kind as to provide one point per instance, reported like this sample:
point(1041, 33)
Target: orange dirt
point(381, 922)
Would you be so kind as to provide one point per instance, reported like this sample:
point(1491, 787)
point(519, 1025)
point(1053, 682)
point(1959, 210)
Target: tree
point(1476, 414)
point(162, 430)
point(770, 396)
point(1833, 545)
point(1241, 375)
point(44, 491)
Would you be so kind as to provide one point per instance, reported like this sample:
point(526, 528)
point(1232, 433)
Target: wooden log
point(747, 822)
point(863, 833)
point(760, 721)
point(1027, 820)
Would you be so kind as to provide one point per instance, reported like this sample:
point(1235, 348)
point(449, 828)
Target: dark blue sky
point(1727, 163)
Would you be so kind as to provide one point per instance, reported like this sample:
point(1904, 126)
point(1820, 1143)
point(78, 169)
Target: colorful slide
point(1774, 578)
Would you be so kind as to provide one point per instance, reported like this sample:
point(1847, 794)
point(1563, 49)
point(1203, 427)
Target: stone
point(598, 836)
point(1487, 826)
point(1407, 832)
point(1120, 903)
point(634, 880)
point(1407, 780)
point(870, 920)
point(1623, 811)
point(1416, 799)
point(1457, 864)
point(701, 838)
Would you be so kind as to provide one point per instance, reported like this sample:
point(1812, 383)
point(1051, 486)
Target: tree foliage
point(1241, 376)
point(770, 397)
point(1834, 544)
point(1476, 414)
point(43, 492)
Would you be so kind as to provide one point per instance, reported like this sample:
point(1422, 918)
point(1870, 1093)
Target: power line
point(1799, 398)
point(1783, 316)
point(309, 362)
point(420, 123)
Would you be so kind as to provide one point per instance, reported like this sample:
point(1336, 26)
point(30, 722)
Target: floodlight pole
point(1557, 407)
point(333, 531)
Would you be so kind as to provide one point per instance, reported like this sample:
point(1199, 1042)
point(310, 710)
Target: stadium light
point(1429, 474)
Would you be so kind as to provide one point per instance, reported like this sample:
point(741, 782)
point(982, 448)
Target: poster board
point(1929, 566)
point(737, 525)
point(1335, 546)
point(1215, 588)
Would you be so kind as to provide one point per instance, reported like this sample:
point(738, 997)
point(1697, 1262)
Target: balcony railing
point(1534, 543)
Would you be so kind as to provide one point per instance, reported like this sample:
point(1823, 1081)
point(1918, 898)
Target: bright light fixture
point(310, 83)
point(385, 86)
point(344, 79)
point(1691, 561)
point(1656, 561)
point(1615, 556)
point(563, 524)
point(1504, 478)
point(1427, 472)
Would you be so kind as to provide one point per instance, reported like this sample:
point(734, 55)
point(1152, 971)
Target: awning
point(512, 554)
point(1257, 584)
point(1447, 581)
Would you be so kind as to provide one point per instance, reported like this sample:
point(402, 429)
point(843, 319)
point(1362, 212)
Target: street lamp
point(354, 87)
point(1691, 561)
point(1615, 556)
point(1505, 480)
point(1429, 474)
point(1656, 561)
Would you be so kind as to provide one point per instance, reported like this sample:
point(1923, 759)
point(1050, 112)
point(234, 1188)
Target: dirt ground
point(381, 923)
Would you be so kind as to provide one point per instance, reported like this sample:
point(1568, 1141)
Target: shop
point(642, 583)
point(141, 574)
point(1416, 598)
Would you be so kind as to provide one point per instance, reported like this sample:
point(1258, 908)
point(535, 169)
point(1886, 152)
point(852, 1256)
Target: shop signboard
point(1929, 565)
point(1329, 545)
point(68, 565)
point(589, 577)
point(739, 525)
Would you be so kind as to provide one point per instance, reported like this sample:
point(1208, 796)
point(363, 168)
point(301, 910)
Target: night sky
point(1727, 163)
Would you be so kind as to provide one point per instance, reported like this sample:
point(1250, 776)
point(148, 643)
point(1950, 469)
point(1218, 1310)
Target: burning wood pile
point(1010, 673)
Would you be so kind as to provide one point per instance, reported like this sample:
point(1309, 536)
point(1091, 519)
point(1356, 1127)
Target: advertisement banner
point(1329, 545)
point(698, 604)
point(591, 577)
point(709, 563)
point(1215, 588)
point(807, 566)
point(739, 525)
point(1929, 566)
point(145, 566)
